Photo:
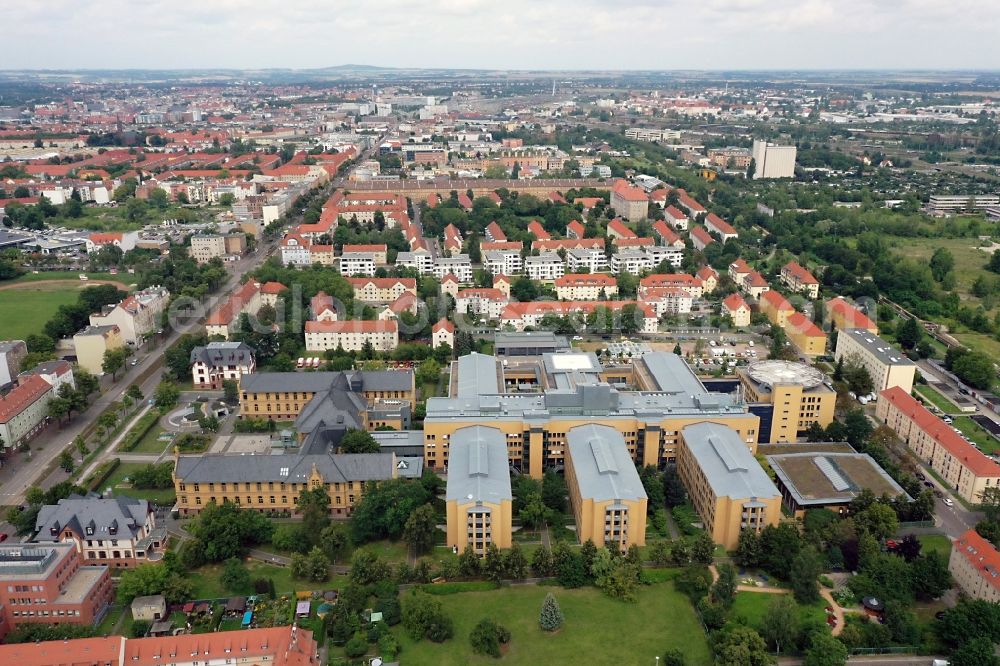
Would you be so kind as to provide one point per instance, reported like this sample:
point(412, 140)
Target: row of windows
point(348, 485)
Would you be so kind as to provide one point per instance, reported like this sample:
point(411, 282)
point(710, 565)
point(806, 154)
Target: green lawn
point(72, 275)
point(752, 606)
point(208, 586)
point(165, 496)
point(25, 311)
point(150, 442)
point(392, 551)
point(987, 442)
point(936, 542)
point(938, 400)
point(598, 630)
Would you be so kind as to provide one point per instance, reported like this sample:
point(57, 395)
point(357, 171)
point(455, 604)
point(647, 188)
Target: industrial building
point(773, 161)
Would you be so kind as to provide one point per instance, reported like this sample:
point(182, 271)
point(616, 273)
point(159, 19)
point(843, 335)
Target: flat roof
point(831, 477)
point(81, 585)
point(726, 462)
point(478, 468)
point(876, 346)
point(772, 372)
point(602, 465)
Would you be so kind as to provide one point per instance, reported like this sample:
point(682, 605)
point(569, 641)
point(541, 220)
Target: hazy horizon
point(555, 35)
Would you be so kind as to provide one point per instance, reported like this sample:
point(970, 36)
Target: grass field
point(165, 496)
point(659, 620)
point(150, 442)
point(208, 586)
point(937, 399)
point(752, 606)
point(987, 442)
point(969, 259)
point(25, 311)
point(71, 275)
point(936, 542)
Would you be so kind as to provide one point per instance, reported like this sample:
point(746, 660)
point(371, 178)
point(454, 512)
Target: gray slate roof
point(478, 469)
point(77, 513)
point(312, 382)
point(216, 354)
point(289, 467)
point(728, 465)
point(602, 465)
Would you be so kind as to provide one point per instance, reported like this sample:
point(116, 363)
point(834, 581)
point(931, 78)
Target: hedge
point(145, 424)
point(102, 474)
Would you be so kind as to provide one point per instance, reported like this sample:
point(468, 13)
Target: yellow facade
point(592, 516)
point(534, 446)
point(795, 409)
point(479, 524)
point(287, 405)
point(265, 496)
point(808, 342)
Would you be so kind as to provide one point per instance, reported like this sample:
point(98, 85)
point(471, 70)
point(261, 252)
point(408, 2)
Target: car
point(948, 501)
point(948, 420)
point(578, 337)
point(928, 484)
point(921, 476)
point(135, 362)
point(3, 536)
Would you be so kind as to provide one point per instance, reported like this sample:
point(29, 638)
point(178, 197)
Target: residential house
point(734, 307)
point(351, 335)
point(219, 361)
point(798, 279)
point(92, 343)
point(137, 317)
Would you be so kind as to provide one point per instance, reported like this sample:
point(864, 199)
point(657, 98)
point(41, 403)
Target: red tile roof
point(688, 202)
point(443, 324)
point(21, 397)
point(734, 302)
point(352, 326)
point(853, 317)
point(719, 225)
point(568, 244)
point(740, 267)
point(776, 300)
point(634, 242)
point(588, 202)
point(373, 247)
point(272, 288)
point(981, 554)
point(702, 235)
point(409, 284)
point(618, 226)
point(675, 213)
point(629, 192)
point(802, 324)
point(535, 228)
point(669, 280)
point(486, 246)
point(585, 280)
point(800, 273)
point(495, 232)
point(555, 197)
point(576, 228)
point(664, 231)
point(706, 272)
point(972, 458)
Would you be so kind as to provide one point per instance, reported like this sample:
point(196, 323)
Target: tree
point(469, 563)
point(969, 620)
point(825, 650)
point(703, 548)
point(147, 579)
point(541, 562)
point(878, 520)
point(723, 591)
point(314, 565)
point(804, 575)
point(487, 637)
point(975, 369)
point(235, 577)
point(748, 548)
point(554, 491)
point(384, 508)
point(551, 617)
point(909, 333)
point(358, 441)
point(334, 541)
point(942, 263)
point(367, 568)
point(166, 395)
point(931, 577)
point(420, 529)
point(66, 461)
point(515, 563)
point(779, 627)
point(114, 360)
point(741, 646)
point(673, 490)
point(423, 617)
point(231, 391)
point(493, 564)
point(227, 531)
point(977, 652)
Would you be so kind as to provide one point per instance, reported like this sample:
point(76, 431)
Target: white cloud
point(514, 34)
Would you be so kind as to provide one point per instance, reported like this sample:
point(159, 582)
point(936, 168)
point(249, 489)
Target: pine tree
point(551, 617)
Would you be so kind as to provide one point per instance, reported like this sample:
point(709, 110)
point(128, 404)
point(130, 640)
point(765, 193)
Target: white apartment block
point(459, 265)
point(206, 247)
point(357, 263)
point(886, 365)
point(632, 261)
point(503, 262)
point(487, 303)
point(295, 251)
point(772, 161)
point(352, 335)
point(420, 260)
point(587, 259)
point(660, 253)
point(545, 267)
point(137, 316)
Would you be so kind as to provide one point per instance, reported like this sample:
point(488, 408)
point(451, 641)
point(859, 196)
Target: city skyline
point(557, 35)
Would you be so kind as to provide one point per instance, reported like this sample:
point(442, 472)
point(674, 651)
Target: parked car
point(921, 476)
point(948, 501)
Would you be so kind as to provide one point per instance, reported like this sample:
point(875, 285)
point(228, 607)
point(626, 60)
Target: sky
point(501, 34)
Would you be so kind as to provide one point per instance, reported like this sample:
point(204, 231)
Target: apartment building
point(797, 393)
point(217, 362)
point(886, 365)
point(137, 317)
point(617, 229)
point(575, 229)
point(716, 225)
point(459, 265)
point(700, 238)
point(478, 496)
point(688, 203)
point(92, 343)
point(586, 287)
point(668, 300)
point(536, 229)
point(12, 353)
point(50, 584)
point(536, 424)
point(666, 236)
point(546, 267)
point(844, 315)
point(420, 259)
point(737, 310)
point(443, 333)
point(118, 532)
point(277, 646)
point(775, 307)
point(799, 280)
point(592, 260)
point(247, 298)
point(807, 337)
point(351, 335)
point(682, 280)
point(773, 161)
point(671, 254)
point(519, 316)
point(709, 278)
point(676, 218)
point(24, 410)
point(503, 262)
point(487, 303)
point(282, 396)
point(379, 251)
point(629, 202)
point(605, 491)
point(494, 233)
point(377, 291)
point(272, 483)
point(729, 489)
point(949, 204)
point(357, 263)
point(975, 567)
point(205, 247)
point(631, 261)
point(963, 467)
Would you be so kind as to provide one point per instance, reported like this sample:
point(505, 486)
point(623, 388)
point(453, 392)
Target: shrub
point(487, 636)
point(357, 646)
point(552, 616)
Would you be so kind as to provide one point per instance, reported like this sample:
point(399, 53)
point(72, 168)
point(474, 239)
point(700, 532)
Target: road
point(24, 470)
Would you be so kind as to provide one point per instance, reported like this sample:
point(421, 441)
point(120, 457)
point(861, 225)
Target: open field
point(31, 300)
point(208, 586)
point(45, 276)
point(752, 606)
point(163, 497)
point(936, 542)
point(660, 619)
point(969, 259)
point(936, 398)
point(986, 442)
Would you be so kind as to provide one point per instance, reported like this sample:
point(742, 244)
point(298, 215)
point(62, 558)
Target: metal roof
point(671, 373)
point(602, 465)
point(877, 347)
point(290, 468)
point(478, 468)
point(726, 462)
point(477, 375)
